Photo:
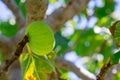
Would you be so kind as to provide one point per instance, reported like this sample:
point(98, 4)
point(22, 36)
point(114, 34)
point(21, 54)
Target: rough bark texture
point(36, 10)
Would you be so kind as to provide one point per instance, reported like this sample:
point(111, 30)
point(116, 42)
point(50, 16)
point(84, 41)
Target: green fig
point(41, 37)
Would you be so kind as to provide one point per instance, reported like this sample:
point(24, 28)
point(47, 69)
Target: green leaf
point(117, 34)
point(115, 30)
point(42, 67)
point(29, 73)
point(41, 37)
point(115, 57)
point(35, 67)
point(43, 64)
point(26, 61)
point(40, 75)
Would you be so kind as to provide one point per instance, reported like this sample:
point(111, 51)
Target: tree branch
point(104, 70)
point(16, 12)
point(16, 55)
point(36, 10)
point(64, 64)
point(57, 19)
point(114, 59)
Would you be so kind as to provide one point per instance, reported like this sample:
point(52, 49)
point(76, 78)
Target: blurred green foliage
point(106, 10)
point(21, 5)
point(61, 43)
point(86, 43)
point(7, 29)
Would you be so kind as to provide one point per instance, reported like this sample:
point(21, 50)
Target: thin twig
point(16, 55)
point(104, 70)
